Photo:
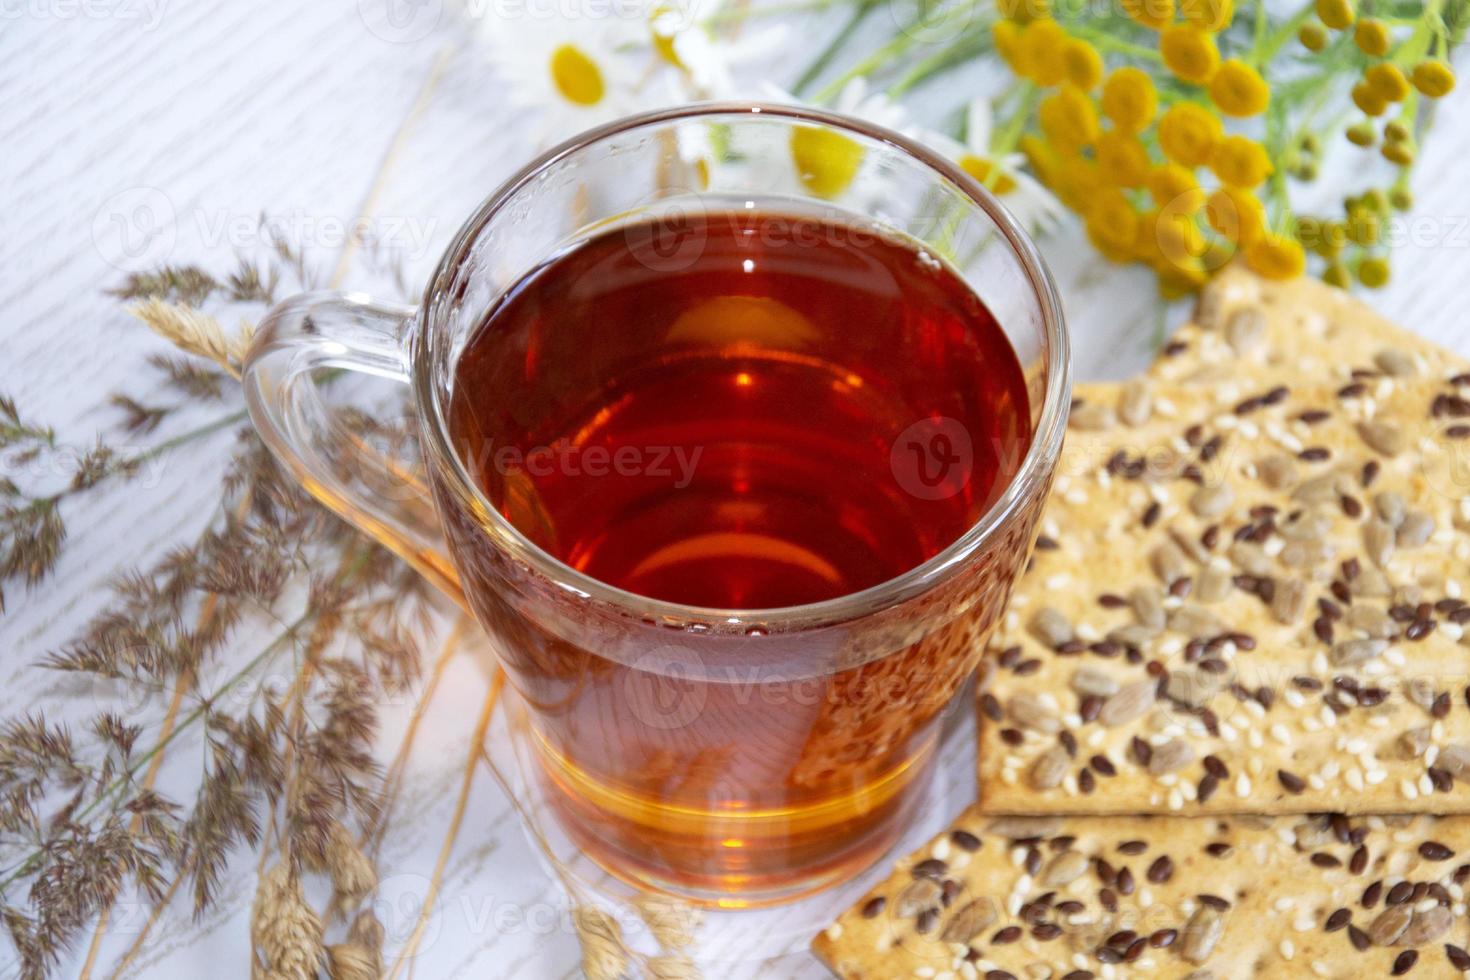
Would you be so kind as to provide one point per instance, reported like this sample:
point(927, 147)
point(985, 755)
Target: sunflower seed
point(1093, 417)
point(1426, 926)
point(1245, 330)
point(1384, 437)
point(1201, 934)
point(1052, 627)
point(1455, 760)
point(1173, 754)
point(1413, 743)
point(1194, 688)
point(1390, 507)
point(1020, 828)
point(1063, 869)
point(1029, 711)
point(1371, 619)
point(1169, 563)
point(1090, 680)
point(1277, 471)
point(1129, 704)
point(1049, 768)
point(1420, 691)
point(1289, 600)
point(1148, 606)
point(1395, 363)
point(1135, 403)
point(968, 921)
point(919, 895)
point(1192, 620)
point(1390, 924)
point(1212, 501)
point(1251, 559)
point(1213, 584)
point(1416, 529)
point(1371, 583)
point(1378, 541)
point(1348, 653)
point(1322, 489)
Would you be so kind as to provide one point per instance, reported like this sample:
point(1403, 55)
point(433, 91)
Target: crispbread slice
point(1249, 610)
point(1221, 898)
point(1249, 331)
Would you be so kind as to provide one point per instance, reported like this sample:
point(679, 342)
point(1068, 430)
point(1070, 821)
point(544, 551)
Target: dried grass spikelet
point(349, 961)
point(286, 933)
point(672, 922)
point(352, 873)
point(196, 333)
point(604, 957)
point(671, 968)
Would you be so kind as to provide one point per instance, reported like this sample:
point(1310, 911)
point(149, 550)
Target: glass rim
point(924, 577)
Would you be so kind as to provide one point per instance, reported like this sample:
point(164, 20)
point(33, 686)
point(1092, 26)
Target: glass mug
point(733, 757)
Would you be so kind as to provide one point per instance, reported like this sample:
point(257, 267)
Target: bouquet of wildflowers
point(1183, 133)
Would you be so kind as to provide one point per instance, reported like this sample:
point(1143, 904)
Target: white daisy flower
point(1035, 207)
point(830, 164)
point(710, 63)
point(570, 69)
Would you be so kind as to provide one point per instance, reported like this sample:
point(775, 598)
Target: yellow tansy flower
point(1433, 78)
point(1373, 273)
point(1174, 189)
point(1313, 37)
point(1208, 15)
point(1179, 280)
point(1371, 36)
point(1079, 183)
point(1122, 159)
point(1387, 79)
point(1129, 99)
point(1240, 162)
point(1150, 13)
point(1189, 53)
point(1007, 37)
point(1045, 163)
point(1275, 257)
point(1188, 134)
point(1081, 63)
point(1239, 90)
point(1336, 14)
point(1023, 11)
point(1365, 98)
point(1236, 214)
point(1112, 225)
point(1041, 51)
point(1068, 118)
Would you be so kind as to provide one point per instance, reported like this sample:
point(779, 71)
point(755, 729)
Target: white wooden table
point(137, 131)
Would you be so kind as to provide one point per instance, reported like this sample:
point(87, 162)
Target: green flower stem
point(1107, 42)
point(1266, 47)
point(972, 44)
point(815, 69)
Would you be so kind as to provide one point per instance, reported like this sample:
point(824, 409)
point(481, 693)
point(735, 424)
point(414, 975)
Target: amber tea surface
point(768, 411)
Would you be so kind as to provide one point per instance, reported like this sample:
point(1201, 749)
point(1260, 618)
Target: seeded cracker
point(1250, 610)
point(1061, 898)
point(1248, 331)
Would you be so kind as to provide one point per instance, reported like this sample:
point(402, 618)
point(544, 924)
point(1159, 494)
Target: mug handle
point(296, 341)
